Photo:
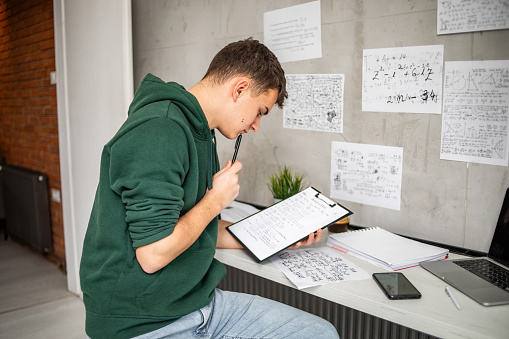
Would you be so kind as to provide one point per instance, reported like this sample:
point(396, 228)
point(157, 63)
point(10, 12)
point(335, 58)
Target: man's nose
point(256, 124)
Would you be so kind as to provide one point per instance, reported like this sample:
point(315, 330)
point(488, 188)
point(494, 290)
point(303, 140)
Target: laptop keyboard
point(487, 270)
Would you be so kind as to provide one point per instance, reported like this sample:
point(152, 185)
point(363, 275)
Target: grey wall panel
point(443, 201)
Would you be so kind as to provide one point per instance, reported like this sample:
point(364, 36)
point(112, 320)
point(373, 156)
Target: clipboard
point(287, 222)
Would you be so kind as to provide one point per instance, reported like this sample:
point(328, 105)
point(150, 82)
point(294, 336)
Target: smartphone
point(396, 286)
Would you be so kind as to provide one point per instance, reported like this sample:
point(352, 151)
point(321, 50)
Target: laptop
point(487, 291)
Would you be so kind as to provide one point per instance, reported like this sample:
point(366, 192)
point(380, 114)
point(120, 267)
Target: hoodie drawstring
point(211, 162)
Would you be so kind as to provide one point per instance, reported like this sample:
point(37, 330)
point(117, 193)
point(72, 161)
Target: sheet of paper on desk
point(307, 267)
point(237, 211)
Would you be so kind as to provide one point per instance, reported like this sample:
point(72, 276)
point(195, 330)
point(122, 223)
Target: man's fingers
point(309, 240)
point(318, 235)
point(236, 167)
point(313, 237)
point(228, 165)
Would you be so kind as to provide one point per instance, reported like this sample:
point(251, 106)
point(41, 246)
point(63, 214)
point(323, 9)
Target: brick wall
point(28, 108)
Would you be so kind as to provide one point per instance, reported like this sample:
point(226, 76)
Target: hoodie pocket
point(179, 287)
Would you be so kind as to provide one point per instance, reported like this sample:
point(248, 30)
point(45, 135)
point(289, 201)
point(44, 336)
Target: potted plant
point(284, 183)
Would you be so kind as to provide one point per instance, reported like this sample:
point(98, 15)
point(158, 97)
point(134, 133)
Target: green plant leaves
point(284, 183)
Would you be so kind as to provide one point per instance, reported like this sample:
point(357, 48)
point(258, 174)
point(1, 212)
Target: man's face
point(249, 111)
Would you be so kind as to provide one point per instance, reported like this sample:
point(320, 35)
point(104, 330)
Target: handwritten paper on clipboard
point(286, 223)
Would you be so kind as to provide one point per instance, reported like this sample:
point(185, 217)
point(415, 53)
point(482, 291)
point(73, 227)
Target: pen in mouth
point(237, 145)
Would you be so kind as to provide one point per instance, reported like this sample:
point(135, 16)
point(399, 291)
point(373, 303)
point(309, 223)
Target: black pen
point(237, 145)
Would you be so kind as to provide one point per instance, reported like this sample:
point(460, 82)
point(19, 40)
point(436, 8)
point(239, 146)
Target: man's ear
point(240, 88)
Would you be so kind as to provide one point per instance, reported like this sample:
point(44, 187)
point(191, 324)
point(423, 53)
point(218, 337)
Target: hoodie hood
point(153, 90)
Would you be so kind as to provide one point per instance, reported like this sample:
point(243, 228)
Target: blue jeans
point(233, 315)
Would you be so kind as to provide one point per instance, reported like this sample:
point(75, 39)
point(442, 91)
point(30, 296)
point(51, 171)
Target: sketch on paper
point(367, 174)
point(455, 16)
point(403, 79)
point(315, 102)
point(475, 121)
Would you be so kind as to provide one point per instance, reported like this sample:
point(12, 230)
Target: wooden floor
point(34, 300)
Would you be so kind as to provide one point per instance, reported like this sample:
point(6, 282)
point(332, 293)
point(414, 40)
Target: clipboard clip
point(329, 202)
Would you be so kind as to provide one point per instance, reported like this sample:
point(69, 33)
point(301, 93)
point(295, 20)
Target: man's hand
point(225, 188)
point(309, 240)
point(225, 185)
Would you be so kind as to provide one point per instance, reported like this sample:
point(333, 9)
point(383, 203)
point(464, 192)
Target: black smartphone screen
point(396, 286)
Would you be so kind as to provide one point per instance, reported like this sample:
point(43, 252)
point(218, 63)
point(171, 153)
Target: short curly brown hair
point(254, 60)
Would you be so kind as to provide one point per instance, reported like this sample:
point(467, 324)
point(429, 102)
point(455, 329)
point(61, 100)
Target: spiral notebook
point(385, 249)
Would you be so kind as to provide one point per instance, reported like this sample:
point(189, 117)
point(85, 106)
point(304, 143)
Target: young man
point(148, 266)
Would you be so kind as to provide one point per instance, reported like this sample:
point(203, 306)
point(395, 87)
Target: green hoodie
point(155, 169)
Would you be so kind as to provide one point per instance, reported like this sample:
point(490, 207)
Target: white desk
point(434, 313)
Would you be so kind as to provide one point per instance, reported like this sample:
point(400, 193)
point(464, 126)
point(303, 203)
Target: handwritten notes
point(283, 224)
point(317, 266)
point(367, 174)
point(406, 79)
point(294, 33)
point(315, 102)
point(475, 121)
point(455, 16)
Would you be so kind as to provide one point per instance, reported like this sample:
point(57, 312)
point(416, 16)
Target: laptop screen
point(499, 249)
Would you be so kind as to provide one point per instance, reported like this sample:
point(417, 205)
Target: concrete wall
point(450, 202)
